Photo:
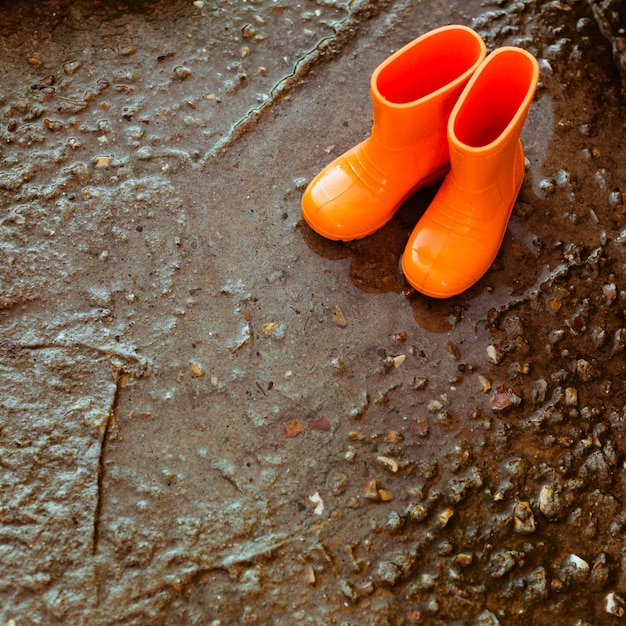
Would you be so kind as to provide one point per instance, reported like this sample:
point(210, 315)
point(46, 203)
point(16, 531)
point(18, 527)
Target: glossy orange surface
point(413, 93)
point(459, 235)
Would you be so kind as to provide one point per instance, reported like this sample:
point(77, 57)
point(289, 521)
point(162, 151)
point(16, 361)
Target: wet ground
point(210, 415)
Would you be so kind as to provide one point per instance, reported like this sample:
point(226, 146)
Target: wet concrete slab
point(211, 415)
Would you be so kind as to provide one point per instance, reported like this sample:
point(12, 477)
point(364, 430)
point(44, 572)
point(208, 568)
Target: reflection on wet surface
point(375, 260)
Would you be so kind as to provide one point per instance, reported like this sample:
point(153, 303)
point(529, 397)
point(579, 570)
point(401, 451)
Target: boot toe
point(435, 266)
point(338, 205)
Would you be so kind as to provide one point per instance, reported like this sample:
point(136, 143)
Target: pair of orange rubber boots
point(442, 109)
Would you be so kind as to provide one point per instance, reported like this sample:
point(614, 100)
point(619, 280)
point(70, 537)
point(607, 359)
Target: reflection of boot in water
point(435, 316)
point(374, 260)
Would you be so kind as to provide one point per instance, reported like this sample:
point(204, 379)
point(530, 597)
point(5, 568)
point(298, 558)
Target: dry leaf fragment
point(338, 317)
point(268, 328)
point(390, 463)
point(196, 369)
point(321, 423)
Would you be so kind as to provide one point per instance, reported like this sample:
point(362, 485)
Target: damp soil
point(210, 415)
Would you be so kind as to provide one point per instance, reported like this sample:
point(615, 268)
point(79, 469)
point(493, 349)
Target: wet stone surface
point(210, 415)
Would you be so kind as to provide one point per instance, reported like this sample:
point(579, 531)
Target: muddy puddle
point(210, 415)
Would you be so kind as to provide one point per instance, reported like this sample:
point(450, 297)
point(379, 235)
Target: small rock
point(400, 337)
point(619, 341)
point(337, 482)
point(585, 370)
point(370, 489)
point(571, 396)
point(310, 574)
point(181, 72)
point(417, 512)
point(319, 503)
point(419, 383)
point(485, 383)
point(385, 495)
point(614, 604)
point(486, 618)
point(501, 563)
point(464, 559)
point(523, 519)
point(599, 572)
point(539, 390)
point(551, 503)
point(388, 463)
point(292, 428)
point(197, 370)
point(609, 292)
point(503, 399)
point(492, 355)
point(387, 574)
point(574, 570)
point(268, 328)
point(444, 517)
point(395, 523)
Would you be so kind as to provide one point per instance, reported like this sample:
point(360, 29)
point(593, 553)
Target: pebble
point(571, 396)
point(292, 428)
point(503, 399)
point(464, 559)
point(337, 482)
point(501, 563)
point(599, 572)
point(574, 570)
point(417, 512)
point(539, 391)
point(390, 464)
point(196, 369)
point(387, 574)
point(551, 503)
point(370, 489)
point(310, 574)
point(486, 618)
point(485, 383)
point(181, 72)
point(395, 523)
point(614, 604)
point(319, 503)
point(385, 495)
point(523, 519)
point(445, 516)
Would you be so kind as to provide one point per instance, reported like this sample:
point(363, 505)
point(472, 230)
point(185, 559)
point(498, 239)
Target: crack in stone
point(326, 49)
point(110, 418)
point(560, 271)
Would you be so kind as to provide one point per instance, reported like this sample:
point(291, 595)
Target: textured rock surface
point(209, 415)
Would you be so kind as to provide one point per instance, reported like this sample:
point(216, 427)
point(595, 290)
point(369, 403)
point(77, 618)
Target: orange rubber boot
point(413, 92)
point(459, 235)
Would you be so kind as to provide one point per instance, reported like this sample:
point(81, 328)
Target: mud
point(210, 415)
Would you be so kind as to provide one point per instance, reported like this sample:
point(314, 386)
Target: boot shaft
point(486, 123)
point(414, 90)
